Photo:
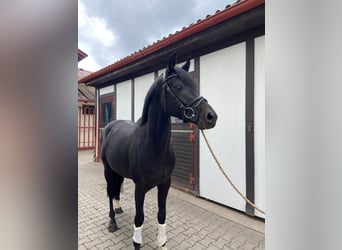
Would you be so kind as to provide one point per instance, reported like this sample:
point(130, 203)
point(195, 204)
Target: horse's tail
point(101, 137)
point(103, 134)
point(102, 140)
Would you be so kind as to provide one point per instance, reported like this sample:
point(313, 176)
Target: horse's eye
point(178, 85)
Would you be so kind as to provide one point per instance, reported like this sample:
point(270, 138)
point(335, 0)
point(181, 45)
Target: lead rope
point(227, 177)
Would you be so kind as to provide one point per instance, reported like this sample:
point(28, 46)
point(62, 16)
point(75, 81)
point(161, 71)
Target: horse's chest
point(156, 167)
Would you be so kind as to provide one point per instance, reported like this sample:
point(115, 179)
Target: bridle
point(189, 109)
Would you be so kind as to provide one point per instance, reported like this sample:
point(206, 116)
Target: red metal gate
point(185, 174)
point(86, 127)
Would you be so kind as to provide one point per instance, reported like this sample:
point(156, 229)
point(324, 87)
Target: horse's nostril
point(210, 116)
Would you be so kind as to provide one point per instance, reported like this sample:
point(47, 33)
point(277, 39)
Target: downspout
point(97, 127)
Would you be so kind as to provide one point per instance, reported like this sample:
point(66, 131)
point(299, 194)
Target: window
point(106, 113)
point(88, 110)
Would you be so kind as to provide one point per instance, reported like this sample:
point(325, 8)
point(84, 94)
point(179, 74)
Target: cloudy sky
point(109, 30)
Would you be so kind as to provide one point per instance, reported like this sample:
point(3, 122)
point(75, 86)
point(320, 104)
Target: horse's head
point(180, 99)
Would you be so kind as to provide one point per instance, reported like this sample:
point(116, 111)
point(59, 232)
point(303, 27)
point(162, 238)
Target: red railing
point(86, 127)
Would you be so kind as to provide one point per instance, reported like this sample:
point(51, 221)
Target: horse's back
point(115, 141)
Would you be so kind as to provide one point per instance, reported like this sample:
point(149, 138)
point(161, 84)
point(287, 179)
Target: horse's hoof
point(112, 227)
point(118, 210)
point(136, 246)
point(164, 247)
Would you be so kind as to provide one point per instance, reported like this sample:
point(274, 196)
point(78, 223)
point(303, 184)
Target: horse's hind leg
point(112, 227)
point(114, 182)
point(118, 180)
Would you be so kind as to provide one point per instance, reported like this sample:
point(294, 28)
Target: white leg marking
point(116, 203)
point(161, 235)
point(137, 236)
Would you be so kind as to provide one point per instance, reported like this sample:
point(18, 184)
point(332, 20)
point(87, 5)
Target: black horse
point(142, 151)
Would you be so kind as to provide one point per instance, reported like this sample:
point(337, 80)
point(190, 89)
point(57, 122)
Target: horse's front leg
point(140, 192)
point(163, 190)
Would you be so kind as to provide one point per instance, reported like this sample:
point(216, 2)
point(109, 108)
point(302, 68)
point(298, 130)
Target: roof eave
point(81, 55)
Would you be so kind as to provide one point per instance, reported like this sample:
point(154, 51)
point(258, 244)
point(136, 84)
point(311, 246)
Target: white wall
point(259, 123)
point(123, 101)
point(141, 86)
point(107, 90)
point(222, 82)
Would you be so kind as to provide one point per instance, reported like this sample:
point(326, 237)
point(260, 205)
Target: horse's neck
point(158, 126)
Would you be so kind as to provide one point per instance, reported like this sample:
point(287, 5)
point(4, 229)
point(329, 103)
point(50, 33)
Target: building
point(227, 62)
point(86, 110)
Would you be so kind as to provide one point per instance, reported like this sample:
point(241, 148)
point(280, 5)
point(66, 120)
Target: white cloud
point(95, 28)
point(108, 36)
point(89, 63)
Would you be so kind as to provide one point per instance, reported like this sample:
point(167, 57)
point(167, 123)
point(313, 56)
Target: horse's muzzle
point(207, 118)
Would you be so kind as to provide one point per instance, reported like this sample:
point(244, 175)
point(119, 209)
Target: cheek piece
point(188, 110)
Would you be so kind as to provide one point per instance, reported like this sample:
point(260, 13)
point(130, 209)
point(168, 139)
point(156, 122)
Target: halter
point(188, 109)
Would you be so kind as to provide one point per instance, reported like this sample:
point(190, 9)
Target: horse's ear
point(171, 64)
point(186, 66)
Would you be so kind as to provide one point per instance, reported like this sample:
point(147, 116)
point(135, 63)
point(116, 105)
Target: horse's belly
point(117, 157)
point(120, 167)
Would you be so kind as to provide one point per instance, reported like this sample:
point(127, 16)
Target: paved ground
point(192, 223)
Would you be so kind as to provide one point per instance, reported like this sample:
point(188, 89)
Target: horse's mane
point(156, 88)
point(148, 99)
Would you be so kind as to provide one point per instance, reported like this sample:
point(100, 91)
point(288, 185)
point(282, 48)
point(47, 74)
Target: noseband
point(187, 109)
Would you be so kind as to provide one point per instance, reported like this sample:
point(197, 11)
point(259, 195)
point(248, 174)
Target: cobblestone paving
point(188, 226)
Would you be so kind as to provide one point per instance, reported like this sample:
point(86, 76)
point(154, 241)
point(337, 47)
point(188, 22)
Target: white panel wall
point(141, 86)
point(222, 80)
point(107, 90)
point(124, 100)
point(259, 123)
